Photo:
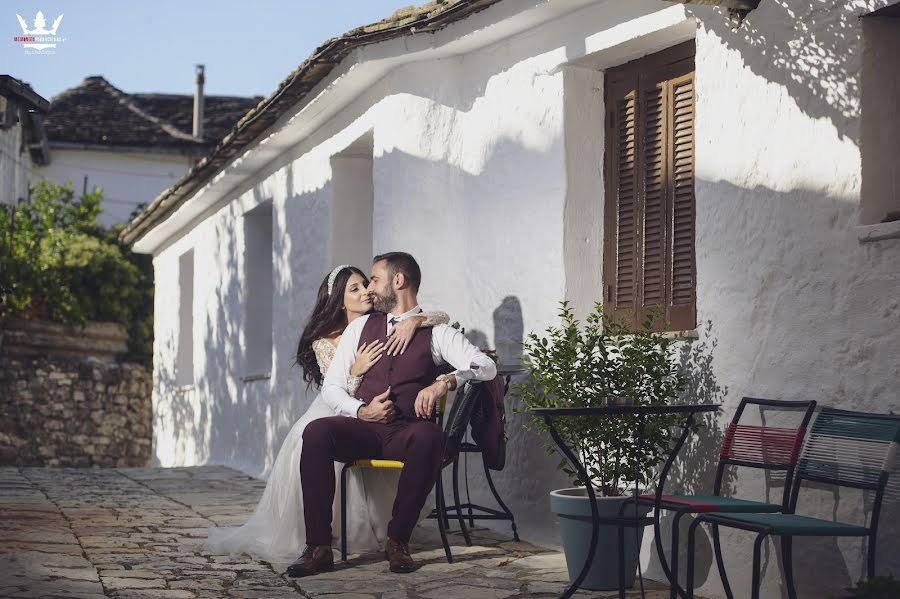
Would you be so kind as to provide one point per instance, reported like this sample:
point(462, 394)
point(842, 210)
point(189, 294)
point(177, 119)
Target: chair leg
point(621, 557)
point(459, 513)
point(692, 541)
point(787, 559)
point(720, 563)
point(673, 560)
point(870, 561)
point(757, 565)
point(490, 482)
point(441, 512)
point(344, 514)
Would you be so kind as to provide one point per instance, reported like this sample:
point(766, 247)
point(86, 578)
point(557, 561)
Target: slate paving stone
point(138, 533)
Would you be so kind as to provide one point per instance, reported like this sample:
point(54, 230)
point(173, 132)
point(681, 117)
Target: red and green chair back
point(849, 449)
point(764, 447)
point(843, 449)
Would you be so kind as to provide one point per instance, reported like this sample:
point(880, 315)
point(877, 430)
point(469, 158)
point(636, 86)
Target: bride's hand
point(402, 334)
point(366, 357)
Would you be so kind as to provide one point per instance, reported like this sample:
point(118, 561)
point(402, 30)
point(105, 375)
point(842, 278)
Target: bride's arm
point(402, 332)
point(366, 357)
point(335, 390)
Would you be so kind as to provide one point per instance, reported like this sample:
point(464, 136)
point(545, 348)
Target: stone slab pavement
point(137, 533)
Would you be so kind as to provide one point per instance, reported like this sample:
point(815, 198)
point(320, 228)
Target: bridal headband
point(333, 276)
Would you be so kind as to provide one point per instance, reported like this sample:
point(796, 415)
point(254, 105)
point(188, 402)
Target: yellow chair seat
point(394, 464)
point(377, 464)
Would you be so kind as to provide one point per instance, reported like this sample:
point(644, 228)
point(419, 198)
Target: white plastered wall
point(800, 309)
point(15, 164)
point(126, 178)
point(485, 166)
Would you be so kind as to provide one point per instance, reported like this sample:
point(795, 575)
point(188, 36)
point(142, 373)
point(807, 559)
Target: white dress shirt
point(448, 346)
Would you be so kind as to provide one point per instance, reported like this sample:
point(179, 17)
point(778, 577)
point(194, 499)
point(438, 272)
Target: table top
point(627, 410)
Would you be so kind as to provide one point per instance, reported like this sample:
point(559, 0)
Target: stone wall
point(71, 410)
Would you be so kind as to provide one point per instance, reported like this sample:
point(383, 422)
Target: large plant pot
point(574, 511)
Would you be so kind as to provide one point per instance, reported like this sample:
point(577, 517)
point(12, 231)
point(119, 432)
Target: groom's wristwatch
point(447, 379)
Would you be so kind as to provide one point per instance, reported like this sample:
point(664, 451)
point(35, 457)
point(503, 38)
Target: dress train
point(275, 532)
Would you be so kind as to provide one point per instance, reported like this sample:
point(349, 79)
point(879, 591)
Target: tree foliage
point(57, 262)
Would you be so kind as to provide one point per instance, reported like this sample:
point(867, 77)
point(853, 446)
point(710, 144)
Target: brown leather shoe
point(314, 559)
point(398, 557)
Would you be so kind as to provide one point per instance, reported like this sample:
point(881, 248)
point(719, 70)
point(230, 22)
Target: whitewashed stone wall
point(15, 165)
point(486, 167)
point(126, 178)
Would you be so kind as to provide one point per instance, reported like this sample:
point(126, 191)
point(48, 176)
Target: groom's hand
point(380, 409)
point(428, 398)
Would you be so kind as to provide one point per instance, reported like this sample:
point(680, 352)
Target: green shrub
point(598, 363)
point(58, 263)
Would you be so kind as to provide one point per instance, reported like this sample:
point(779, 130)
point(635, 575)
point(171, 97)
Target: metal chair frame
point(473, 511)
point(454, 428)
point(763, 531)
point(680, 509)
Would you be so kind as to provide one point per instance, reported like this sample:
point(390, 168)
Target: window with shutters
point(880, 125)
point(648, 262)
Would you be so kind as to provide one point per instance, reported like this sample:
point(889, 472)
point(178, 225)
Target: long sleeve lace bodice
point(324, 350)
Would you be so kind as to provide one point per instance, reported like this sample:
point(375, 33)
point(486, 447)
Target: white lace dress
point(275, 532)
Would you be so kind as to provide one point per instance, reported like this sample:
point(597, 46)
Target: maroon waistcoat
point(406, 374)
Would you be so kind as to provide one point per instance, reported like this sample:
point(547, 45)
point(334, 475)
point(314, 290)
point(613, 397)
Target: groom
point(390, 416)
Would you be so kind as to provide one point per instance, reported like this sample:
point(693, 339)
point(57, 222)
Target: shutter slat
point(625, 255)
point(654, 240)
point(682, 273)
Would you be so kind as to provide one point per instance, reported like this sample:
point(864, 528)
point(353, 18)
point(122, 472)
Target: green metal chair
point(767, 448)
point(843, 449)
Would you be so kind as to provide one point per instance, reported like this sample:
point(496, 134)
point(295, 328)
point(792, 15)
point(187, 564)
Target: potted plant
point(599, 363)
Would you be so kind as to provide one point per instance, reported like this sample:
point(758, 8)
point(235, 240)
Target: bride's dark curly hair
point(327, 319)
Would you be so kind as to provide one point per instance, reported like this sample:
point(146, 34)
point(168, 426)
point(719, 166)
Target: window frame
point(668, 68)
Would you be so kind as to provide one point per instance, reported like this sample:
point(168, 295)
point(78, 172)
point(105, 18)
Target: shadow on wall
point(250, 418)
point(782, 276)
point(177, 430)
point(807, 48)
point(694, 471)
point(529, 475)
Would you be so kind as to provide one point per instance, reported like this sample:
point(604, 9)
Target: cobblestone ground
point(138, 533)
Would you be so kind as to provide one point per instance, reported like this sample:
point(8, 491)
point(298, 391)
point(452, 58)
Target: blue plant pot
point(574, 511)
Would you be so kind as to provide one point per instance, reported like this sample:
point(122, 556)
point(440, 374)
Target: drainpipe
point(198, 104)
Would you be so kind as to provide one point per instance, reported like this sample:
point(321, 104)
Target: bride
point(275, 531)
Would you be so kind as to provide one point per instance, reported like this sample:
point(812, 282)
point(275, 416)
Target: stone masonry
point(59, 411)
point(138, 534)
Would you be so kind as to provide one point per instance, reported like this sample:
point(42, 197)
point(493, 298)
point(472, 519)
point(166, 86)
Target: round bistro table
point(642, 413)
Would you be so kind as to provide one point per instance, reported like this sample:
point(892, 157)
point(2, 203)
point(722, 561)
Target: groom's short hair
point(403, 263)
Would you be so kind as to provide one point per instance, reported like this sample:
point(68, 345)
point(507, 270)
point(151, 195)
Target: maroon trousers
point(416, 443)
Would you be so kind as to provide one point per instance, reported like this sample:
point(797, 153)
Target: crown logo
point(39, 29)
point(39, 23)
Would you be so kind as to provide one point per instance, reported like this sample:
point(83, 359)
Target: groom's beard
point(385, 303)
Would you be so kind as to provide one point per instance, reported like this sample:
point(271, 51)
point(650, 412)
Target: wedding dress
point(276, 532)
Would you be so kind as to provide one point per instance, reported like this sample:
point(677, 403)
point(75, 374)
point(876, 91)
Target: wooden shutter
point(649, 170)
point(682, 272)
point(622, 217)
point(654, 181)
